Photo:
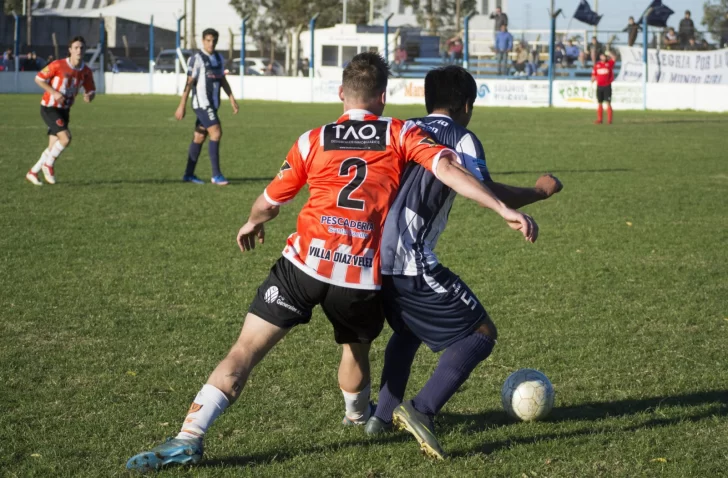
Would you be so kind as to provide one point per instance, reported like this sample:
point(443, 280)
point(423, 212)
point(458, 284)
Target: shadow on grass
point(159, 181)
point(478, 422)
point(279, 455)
point(591, 412)
point(555, 171)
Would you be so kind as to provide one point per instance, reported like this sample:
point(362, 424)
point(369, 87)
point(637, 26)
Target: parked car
point(114, 64)
point(261, 66)
point(233, 67)
point(166, 59)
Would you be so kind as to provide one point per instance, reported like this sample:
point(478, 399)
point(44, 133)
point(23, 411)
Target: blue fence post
point(466, 40)
point(243, 33)
point(552, 65)
point(645, 58)
point(312, 60)
point(151, 54)
point(386, 37)
point(16, 51)
point(102, 56)
point(177, 51)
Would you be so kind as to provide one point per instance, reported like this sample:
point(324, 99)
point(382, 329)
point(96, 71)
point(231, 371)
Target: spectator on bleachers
point(686, 29)
point(573, 53)
point(400, 59)
point(520, 63)
point(670, 39)
point(692, 46)
point(454, 49)
point(503, 46)
point(534, 60)
point(633, 29)
point(7, 61)
point(50, 59)
point(560, 55)
point(31, 62)
point(724, 32)
point(595, 48)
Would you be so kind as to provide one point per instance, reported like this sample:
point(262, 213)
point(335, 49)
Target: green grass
point(121, 288)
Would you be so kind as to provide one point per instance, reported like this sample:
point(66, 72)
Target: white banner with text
point(672, 66)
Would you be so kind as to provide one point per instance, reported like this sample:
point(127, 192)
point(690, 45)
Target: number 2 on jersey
point(359, 176)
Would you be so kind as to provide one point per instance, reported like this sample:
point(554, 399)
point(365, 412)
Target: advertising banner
point(583, 94)
point(678, 67)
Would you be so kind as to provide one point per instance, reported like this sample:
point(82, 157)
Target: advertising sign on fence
point(671, 66)
point(582, 94)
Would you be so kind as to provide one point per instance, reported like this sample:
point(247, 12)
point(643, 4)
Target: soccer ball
point(527, 395)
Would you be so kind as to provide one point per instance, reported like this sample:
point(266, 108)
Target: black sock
point(192, 155)
point(452, 371)
point(214, 147)
point(398, 358)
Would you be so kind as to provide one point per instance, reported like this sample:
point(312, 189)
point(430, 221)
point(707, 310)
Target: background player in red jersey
point(603, 74)
point(61, 80)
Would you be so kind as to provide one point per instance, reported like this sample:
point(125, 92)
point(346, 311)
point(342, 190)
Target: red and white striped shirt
point(68, 80)
point(352, 168)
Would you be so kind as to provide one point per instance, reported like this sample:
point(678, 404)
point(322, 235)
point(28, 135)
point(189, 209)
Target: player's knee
point(64, 139)
point(215, 134)
point(487, 328)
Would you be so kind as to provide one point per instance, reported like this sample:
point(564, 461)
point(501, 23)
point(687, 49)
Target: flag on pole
point(585, 14)
point(658, 15)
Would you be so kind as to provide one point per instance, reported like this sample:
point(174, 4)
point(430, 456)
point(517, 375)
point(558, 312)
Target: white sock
point(43, 158)
point(53, 154)
point(209, 403)
point(357, 405)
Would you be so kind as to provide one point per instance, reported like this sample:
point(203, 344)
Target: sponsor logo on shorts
point(271, 294)
point(59, 122)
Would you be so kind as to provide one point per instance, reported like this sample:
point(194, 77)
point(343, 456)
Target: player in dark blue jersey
point(205, 77)
point(424, 301)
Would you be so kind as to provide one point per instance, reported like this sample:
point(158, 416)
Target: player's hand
point(248, 234)
point(89, 97)
point(521, 222)
point(60, 99)
point(180, 113)
point(548, 185)
point(234, 104)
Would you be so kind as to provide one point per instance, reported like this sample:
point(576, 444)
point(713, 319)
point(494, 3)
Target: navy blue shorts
point(437, 307)
point(206, 117)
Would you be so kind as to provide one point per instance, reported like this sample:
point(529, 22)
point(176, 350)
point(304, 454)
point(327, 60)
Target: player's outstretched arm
point(465, 184)
point(262, 212)
point(515, 197)
point(57, 95)
point(228, 91)
point(182, 108)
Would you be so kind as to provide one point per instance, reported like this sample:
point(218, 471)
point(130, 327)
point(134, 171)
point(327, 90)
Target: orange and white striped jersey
point(66, 79)
point(353, 169)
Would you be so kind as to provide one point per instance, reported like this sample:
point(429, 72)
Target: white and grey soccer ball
point(527, 395)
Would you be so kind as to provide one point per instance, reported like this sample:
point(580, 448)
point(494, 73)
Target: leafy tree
point(441, 16)
point(714, 16)
point(271, 20)
point(10, 5)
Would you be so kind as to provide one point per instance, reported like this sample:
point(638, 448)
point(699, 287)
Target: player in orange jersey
point(352, 168)
point(61, 81)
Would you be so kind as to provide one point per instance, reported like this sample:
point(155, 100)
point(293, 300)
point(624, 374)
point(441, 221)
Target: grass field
point(121, 288)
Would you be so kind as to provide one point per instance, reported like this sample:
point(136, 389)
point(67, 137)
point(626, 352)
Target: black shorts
point(287, 298)
point(56, 119)
point(206, 117)
point(437, 307)
point(604, 93)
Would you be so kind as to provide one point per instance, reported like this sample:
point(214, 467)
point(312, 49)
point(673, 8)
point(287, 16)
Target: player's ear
point(383, 98)
point(341, 92)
